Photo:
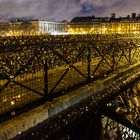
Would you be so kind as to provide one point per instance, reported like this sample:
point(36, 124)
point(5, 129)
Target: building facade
point(106, 25)
point(46, 27)
point(32, 27)
point(78, 25)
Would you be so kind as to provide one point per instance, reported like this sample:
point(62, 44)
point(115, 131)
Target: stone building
point(105, 25)
point(31, 27)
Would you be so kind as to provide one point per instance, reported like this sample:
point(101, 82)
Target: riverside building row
point(78, 25)
point(105, 25)
point(31, 27)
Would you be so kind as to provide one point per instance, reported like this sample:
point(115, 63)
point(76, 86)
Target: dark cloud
point(90, 10)
point(65, 9)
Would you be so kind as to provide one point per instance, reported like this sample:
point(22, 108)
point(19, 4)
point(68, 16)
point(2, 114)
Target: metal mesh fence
point(34, 67)
point(114, 130)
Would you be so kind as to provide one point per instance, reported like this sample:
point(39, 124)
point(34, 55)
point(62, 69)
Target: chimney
point(133, 15)
point(112, 15)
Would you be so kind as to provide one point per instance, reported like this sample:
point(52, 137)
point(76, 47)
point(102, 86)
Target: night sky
point(65, 9)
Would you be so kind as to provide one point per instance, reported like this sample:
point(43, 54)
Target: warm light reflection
point(12, 102)
point(106, 28)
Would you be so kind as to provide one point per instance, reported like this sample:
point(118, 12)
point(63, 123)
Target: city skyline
point(65, 9)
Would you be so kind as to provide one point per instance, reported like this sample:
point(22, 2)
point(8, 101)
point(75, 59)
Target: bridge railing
point(114, 130)
point(39, 68)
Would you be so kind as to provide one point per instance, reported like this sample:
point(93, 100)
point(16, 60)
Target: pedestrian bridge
point(55, 80)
